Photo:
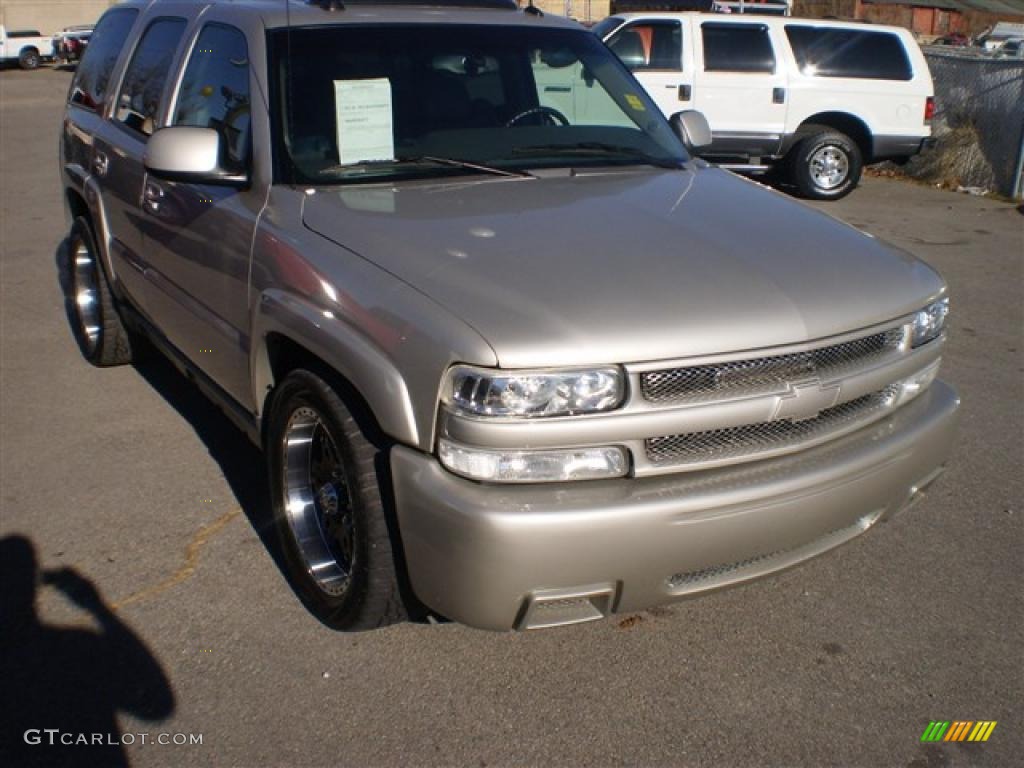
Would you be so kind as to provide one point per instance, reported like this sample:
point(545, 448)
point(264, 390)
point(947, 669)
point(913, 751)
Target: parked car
point(516, 357)
point(26, 47)
point(814, 100)
point(954, 38)
point(70, 44)
point(1011, 49)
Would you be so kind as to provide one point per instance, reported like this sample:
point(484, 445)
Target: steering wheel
point(552, 114)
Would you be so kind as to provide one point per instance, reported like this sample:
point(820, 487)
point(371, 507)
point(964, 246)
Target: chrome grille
point(765, 374)
point(751, 439)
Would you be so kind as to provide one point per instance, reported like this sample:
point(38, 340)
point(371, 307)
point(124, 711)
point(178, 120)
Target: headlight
point(484, 392)
point(511, 466)
point(929, 323)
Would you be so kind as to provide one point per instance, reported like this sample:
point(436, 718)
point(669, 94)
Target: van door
point(741, 87)
point(653, 50)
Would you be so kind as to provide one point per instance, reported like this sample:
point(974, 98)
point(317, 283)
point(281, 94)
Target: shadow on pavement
point(241, 462)
point(74, 680)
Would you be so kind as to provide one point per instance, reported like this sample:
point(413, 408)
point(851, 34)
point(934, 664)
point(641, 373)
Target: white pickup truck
point(27, 47)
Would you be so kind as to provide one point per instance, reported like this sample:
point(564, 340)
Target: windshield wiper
point(597, 149)
point(425, 160)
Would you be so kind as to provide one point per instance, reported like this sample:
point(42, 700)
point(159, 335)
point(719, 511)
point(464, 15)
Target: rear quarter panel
point(887, 107)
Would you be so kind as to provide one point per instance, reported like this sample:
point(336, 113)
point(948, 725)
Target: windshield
point(372, 103)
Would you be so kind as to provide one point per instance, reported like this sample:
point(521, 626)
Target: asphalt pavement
point(125, 479)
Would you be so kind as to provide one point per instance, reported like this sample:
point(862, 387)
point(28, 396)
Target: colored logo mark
point(958, 730)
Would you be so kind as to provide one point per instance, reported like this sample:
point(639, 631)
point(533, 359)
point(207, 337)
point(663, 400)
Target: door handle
point(778, 95)
point(152, 196)
point(100, 163)
point(684, 93)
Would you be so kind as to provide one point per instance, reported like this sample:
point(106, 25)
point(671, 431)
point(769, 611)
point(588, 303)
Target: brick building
point(926, 17)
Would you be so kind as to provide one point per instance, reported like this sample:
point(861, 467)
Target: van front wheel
point(826, 165)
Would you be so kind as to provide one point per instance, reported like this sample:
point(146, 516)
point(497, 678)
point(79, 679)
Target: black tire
point(826, 165)
point(335, 521)
point(99, 330)
point(29, 59)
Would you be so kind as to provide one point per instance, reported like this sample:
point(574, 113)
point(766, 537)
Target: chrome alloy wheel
point(87, 294)
point(317, 503)
point(829, 167)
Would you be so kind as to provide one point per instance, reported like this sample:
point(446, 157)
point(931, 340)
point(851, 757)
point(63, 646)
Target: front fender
point(344, 349)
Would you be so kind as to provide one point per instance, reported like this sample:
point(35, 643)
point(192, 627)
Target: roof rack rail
point(340, 5)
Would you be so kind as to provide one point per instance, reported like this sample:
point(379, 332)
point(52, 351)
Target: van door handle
point(100, 163)
point(684, 92)
point(778, 95)
point(152, 196)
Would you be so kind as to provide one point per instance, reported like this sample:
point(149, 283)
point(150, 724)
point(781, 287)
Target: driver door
point(653, 51)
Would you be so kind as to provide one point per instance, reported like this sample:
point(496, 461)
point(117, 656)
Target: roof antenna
point(533, 10)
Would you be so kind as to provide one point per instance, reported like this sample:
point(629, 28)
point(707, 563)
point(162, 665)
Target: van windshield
point(382, 102)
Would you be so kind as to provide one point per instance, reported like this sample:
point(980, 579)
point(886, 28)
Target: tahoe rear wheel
point(826, 165)
point(99, 330)
point(328, 510)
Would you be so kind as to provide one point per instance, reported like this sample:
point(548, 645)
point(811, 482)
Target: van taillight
point(929, 109)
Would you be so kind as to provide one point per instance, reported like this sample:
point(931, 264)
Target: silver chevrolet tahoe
point(513, 358)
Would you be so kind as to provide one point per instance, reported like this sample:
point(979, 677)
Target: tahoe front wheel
point(328, 510)
point(826, 165)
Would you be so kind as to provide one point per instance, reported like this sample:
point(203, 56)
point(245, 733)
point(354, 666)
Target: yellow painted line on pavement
point(187, 568)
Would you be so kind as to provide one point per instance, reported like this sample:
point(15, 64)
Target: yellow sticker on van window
point(634, 101)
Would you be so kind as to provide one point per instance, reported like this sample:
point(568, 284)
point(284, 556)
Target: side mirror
point(692, 129)
point(190, 154)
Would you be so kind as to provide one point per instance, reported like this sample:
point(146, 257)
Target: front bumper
point(515, 557)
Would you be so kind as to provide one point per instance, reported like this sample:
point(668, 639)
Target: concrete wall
point(586, 11)
point(50, 16)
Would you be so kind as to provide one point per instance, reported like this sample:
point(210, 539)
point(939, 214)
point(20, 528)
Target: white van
point(818, 99)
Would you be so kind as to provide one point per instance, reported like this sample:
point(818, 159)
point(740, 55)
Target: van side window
point(737, 48)
point(827, 52)
point(215, 92)
point(93, 73)
point(139, 100)
point(650, 45)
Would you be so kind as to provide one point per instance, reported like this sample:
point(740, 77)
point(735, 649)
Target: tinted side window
point(828, 52)
point(215, 91)
point(651, 45)
point(737, 48)
point(90, 83)
point(144, 79)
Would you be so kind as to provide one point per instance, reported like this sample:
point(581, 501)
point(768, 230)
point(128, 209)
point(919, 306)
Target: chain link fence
point(979, 122)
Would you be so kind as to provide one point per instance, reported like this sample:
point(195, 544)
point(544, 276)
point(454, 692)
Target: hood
point(625, 266)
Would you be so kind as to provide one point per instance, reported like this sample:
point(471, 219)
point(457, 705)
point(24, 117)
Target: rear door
point(118, 148)
point(741, 87)
point(654, 52)
point(89, 93)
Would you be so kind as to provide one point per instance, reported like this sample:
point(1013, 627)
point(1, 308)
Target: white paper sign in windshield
point(365, 130)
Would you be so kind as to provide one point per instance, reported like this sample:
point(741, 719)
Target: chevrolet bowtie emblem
point(805, 400)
